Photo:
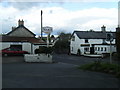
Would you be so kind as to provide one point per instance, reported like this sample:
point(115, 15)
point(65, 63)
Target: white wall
point(35, 47)
point(4, 45)
point(107, 49)
point(26, 47)
point(75, 45)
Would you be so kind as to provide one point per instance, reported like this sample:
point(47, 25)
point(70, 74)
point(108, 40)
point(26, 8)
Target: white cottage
point(22, 38)
point(91, 42)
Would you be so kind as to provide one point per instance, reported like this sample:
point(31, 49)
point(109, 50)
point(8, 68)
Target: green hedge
point(43, 49)
point(102, 67)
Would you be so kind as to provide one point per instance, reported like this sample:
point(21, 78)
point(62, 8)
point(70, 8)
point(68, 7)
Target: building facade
point(22, 38)
point(91, 42)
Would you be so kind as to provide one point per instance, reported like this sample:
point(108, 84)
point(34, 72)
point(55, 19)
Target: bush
point(43, 49)
point(102, 67)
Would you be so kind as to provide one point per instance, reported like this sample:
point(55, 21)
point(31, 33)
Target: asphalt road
point(61, 74)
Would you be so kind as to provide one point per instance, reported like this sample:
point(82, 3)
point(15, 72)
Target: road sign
point(47, 29)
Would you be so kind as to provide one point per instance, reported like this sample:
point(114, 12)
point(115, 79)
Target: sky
point(63, 16)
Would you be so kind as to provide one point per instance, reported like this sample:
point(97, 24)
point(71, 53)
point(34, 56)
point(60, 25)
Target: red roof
point(5, 38)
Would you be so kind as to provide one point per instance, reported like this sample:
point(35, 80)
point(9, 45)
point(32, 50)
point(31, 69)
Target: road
point(61, 74)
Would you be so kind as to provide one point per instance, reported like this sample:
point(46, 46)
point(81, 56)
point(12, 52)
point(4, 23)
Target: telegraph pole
point(41, 24)
point(110, 51)
point(110, 38)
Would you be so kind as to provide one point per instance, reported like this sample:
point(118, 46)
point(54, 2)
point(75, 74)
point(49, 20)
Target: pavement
point(61, 74)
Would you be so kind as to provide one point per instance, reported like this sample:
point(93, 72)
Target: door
point(92, 50)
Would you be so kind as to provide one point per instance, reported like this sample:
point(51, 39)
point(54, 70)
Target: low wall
point(38, 58)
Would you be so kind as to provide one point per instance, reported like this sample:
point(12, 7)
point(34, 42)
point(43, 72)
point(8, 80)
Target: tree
point(62, 45)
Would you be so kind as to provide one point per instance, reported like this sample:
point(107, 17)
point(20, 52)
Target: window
point(86, 49)
point(86, 40)
point(98, 48)
point(101, 48)
point(105, 49)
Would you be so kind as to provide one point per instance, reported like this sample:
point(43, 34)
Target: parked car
point(12, 51)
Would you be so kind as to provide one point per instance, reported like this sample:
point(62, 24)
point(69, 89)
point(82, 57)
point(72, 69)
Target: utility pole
point(110, 52)
point(110, 38)
point(41, 24)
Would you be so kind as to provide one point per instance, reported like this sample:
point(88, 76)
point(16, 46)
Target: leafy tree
point(62, 45)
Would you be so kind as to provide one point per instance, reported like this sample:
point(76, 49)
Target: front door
point(92, 50)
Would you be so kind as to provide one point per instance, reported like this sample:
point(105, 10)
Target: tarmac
point(61, 74)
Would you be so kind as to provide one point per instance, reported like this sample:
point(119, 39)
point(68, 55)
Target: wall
point(26, 46)
point(4, 45)
point(107, 49)
point(75, 45)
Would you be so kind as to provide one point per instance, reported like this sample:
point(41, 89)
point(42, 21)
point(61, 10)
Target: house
point(22, 38)
point(91, 42)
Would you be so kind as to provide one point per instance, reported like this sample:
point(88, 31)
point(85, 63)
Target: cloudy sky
point(62, 16)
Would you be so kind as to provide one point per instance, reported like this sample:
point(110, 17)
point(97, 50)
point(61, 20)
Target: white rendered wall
point(107, 49)
point(26, 47)
point(4, 45)
point(75, 45)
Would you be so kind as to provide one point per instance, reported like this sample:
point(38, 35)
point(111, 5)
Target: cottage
point(91, 42)
point(22, 38)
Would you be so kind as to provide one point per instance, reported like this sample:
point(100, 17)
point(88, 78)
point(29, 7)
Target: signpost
point(41, 24)
point(47, 30)
point(109, 37)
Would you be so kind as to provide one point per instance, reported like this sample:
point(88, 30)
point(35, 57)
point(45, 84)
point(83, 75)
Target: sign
point(47, 29)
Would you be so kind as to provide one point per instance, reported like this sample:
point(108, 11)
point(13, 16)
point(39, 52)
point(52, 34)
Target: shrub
point(43, 49)
point(102, 67)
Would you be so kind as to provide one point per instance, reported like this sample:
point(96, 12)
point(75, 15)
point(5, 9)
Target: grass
point(98, 66)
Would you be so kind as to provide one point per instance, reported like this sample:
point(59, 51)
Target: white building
point(22, 38)
point(91, 42)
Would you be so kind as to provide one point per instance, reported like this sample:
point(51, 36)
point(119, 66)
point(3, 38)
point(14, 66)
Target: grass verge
point(104, 67)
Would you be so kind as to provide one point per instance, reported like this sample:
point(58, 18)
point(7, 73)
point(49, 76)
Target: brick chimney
point(20, 22)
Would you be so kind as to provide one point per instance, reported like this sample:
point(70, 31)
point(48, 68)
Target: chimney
point(20, 23)
point(13, 28)
point(103, 28)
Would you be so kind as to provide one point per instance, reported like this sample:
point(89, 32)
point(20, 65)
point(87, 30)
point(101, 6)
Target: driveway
point(18, 74)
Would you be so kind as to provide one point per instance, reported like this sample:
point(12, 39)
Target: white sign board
point(47, 29)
